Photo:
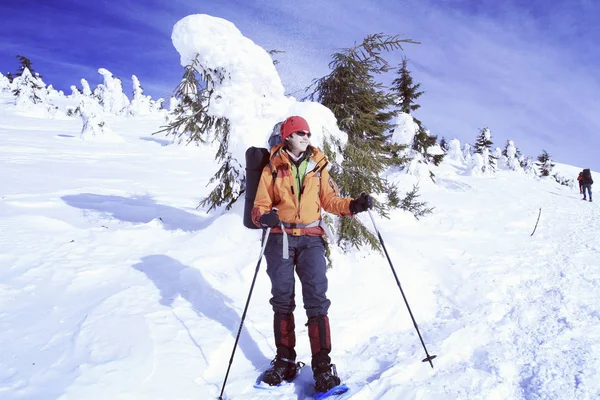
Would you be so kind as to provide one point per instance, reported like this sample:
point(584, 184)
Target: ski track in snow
point(114, 287)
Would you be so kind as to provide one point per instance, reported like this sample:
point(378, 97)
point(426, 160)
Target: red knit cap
point(293, 124)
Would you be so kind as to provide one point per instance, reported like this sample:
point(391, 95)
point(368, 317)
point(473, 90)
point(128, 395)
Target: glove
point(361, 204)
point(269, 220)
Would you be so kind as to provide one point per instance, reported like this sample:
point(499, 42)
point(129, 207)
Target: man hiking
point(293, 189)
point(587, 182)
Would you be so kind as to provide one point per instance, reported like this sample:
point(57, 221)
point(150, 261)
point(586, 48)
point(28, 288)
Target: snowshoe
point(325, 376)
point(281, 370)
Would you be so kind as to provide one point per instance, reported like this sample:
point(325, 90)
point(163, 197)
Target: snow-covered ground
point(113, 285)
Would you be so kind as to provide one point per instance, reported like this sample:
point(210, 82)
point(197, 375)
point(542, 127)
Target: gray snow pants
point(587, 186)
point(307, 255)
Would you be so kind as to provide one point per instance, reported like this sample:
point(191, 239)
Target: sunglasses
point(302, 133)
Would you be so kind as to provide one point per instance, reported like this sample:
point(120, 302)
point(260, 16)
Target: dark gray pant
point(307, 254)
point(589, 190)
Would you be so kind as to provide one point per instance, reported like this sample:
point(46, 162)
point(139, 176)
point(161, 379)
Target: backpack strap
point(273, 172)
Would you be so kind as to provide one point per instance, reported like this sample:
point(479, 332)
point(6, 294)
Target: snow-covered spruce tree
point(528, 165)
point(191, 122)
point(157, 107)
point(86, 99)
point(110, 94)
point(483, 144)
point(77, 97)
point(140, 103)
point(512, 155)
point(467, 152)
point(501, 161)
point(563, 180)
point(4, 84)
point(454, 152)
point(405, 129)
point(25, 64)
point(544, 164)
point(173, 103)
point(444, 145)
point(86, 90)
point(423, 142)
point(362, 109)
point(509, 144)
point(92, 117)
point(75, 93)
point(476, 164)
point(28, 90)
point(405, 93)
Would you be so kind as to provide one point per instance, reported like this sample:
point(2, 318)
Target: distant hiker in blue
point(586, 183)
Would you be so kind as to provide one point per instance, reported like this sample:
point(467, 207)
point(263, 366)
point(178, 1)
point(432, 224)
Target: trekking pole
point(262, 251)
point(538, 220)
point(428, 358)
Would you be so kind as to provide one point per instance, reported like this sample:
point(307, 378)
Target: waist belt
point(300, 226)
point(320, 222)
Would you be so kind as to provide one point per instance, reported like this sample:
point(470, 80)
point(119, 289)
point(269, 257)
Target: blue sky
point(528, 70)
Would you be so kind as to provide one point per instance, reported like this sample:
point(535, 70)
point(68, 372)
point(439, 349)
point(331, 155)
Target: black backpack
point(256, 160)
point(587, 177)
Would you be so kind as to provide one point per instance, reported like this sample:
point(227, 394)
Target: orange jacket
point(316, 193)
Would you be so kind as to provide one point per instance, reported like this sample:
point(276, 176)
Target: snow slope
point(113, 285)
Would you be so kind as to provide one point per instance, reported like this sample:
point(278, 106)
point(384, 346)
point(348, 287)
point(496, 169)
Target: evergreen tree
point(483, 145)
point(454, 151)
point(444, 145)
point(528, 165)
point(512, 155)
point(544, 164)
point(28, 89)
point(405, 93)
point(422, 141)
point(467, 152)
point(140, 103)
point(4, 83)
point(25, 63)
point(190, 122)
point(93, 118)
point(405, 90)
point(110, 93)
point(524, 162)
point(505, 150)
point(87, 91)
point(363, 110)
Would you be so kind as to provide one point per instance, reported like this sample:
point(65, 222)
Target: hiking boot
point(281, 370)
point(590, 200)
point(584, 199)
point(325, 376)
point(320, 345)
